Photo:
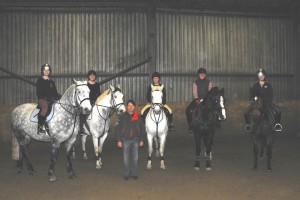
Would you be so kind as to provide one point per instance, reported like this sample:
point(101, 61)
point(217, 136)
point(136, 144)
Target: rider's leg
point(43, 104)
point(277, 117)
point(169, 114)
point(189, 113)
point(247, 119)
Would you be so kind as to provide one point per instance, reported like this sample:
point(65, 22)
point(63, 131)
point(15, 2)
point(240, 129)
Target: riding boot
point(41, 121)
point(46, 126)
point(247, 120)
point(170, 121)
point(278, 126)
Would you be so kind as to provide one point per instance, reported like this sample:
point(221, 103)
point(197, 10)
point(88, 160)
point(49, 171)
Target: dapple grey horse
point(98, 121)
point(63, 127)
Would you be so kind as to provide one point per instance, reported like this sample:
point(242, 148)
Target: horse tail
point(15, 150)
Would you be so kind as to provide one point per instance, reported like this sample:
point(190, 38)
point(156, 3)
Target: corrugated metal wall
point(72, 43)
point(224, 45)
point(109, 41)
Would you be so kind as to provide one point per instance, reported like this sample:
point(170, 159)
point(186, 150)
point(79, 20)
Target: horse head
point(82, 96)
point(256, 108)
point(117, 99)
point(157, 96)
point(216, 101)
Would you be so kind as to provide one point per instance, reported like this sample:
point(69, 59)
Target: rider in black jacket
point(264, 89)
point(47, 93)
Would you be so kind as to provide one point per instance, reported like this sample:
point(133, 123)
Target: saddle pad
point(35, 112)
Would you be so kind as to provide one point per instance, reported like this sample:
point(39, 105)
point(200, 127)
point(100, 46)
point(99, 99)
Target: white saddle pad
point(35, 112)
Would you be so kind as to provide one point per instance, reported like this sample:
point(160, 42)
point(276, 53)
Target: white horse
point(98, 121)
point(156, 127)
point(63, 127)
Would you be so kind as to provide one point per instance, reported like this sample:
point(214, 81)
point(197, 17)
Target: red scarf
point(135, 116)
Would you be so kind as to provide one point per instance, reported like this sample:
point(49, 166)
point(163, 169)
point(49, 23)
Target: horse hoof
point(72, 175)
point(85, 157)
point(20, 171)
point(52, 178)
point(32, 173)
point(208, 168)
point(196, 168)
point(269, 170)
point(98, 166)
point(149, 167)
point(163, 167)
point(254, 169)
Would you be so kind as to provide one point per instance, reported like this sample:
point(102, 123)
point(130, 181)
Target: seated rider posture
point(200, 89)
point(94, 86)
point(47, 93)
point(167, 109)
point(94, 93)
point(264, 90)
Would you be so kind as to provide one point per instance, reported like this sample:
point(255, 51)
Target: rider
point(167, 109)
point(94, 86)
point(95, 92)
point(264, 89)
point(47, 93)
point(200, 89)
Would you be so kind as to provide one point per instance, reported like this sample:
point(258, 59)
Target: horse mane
point(104, 94)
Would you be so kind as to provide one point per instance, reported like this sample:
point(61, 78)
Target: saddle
point(35, 113)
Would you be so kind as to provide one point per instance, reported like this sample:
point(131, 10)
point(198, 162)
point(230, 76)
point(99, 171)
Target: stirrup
point(41, 130)
point(278, 127)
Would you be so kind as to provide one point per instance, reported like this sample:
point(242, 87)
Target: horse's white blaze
point(223, 107)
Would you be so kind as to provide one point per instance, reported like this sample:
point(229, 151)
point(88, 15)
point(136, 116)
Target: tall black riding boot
point(170, 120)
point(41, 121)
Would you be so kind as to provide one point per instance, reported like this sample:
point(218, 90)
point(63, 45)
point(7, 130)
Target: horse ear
point(112, 88)
point(119, 86)
point(222, 91)
point(161, 87)
point(74, 81)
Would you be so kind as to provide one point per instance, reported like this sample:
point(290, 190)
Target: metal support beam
point(297, 51)
point(151, 19)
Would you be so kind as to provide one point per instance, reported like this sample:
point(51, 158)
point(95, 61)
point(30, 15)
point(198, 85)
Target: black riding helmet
point(201, 71)
point(47, 67)
point(155, 74)
point(91, 72)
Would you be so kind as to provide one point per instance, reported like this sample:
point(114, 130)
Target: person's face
point(261, 78)
point(202, 76)
point(130, 107)
point(155, 80)
point(92, 77)
point(46, 72)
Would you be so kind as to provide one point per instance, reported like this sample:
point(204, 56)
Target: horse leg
point(262, 147)
point(150, 150)
point(197, 138)
point(162, 140)
point(208, 140)
point(255, 150)
point(156, 140)
point(69, 146)
point(269, 153)
point(83, 142)
point(53, 160)
point(97, 153)
point(101, 142)
point(24, 142)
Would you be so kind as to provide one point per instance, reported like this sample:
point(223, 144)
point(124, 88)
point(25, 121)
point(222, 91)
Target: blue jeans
point(130, 156)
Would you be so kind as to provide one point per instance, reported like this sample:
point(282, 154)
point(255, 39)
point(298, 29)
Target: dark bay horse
point(206, 118)
point(262, 132)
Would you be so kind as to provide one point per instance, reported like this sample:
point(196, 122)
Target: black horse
point(262, 132)
point(206, 118)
